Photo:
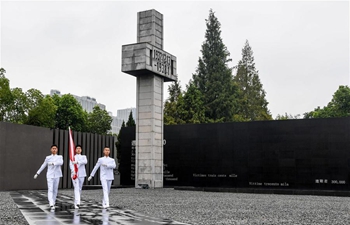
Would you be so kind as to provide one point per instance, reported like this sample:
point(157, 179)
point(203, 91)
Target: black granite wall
point(311, 154)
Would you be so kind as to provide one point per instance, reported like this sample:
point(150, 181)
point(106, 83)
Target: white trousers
point(78, 186)
point(52, 189)
point(106, 186)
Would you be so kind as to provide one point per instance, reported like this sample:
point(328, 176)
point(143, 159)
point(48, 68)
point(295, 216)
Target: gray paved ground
point(203, 208)
point(33, 205)
point(9, 213)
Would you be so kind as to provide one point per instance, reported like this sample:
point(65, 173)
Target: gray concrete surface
point(204, 208)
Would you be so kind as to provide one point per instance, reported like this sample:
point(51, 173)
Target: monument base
point(145, 184)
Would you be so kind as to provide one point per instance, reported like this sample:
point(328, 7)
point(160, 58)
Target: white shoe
point(76, 206)
point(52, 207)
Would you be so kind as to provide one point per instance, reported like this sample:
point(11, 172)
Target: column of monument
point(152, 66)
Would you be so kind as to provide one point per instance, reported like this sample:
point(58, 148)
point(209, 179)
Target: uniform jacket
point(106, 172)
point(82, 161)
point(53, 171)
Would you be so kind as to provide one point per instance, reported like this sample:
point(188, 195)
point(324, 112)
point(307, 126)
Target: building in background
point(53, 92)
point(122, 115)
point(116, 124)
point(88, 103)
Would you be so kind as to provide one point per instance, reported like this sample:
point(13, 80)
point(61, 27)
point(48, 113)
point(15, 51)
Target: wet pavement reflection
point(34, 207)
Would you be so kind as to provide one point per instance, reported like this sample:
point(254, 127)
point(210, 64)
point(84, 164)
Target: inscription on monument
point(132, 164)
point(325, 181)
point(214, 175)
point(162, 62)
point(167, 175)
point(338, 182)
point(141, 57)
point(275, 184)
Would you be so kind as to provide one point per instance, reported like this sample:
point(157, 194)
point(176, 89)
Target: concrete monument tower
point(152, 66)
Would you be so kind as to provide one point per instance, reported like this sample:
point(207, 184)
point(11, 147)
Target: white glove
point(35, 176)
point(90, 177)
point(75, 162)
point(73, 174)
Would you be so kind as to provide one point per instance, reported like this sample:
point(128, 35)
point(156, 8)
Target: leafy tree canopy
point(287, 116)
point(69, 113)
point(5, 95)
point(98, 121)
point(339, 106)
point(44, 114)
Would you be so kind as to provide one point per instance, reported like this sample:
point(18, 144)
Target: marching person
point(80, 161)
point(53, 174)
point(106, 165)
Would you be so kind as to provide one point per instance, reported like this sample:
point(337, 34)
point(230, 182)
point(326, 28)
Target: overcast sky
point(301, 48)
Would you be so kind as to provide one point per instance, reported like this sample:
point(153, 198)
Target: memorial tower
point(152, 66)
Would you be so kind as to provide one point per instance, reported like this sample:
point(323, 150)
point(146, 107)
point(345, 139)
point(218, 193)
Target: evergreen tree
point(252, 102)
point(173, 113)
point(193, 105)
point(213, 77)
point(118, 145)
point(131, 121)
point(174, 91)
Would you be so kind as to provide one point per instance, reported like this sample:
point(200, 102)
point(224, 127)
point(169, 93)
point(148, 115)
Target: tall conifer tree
point(131, 121)
point(213, 77)
point(193, 105)
point(252, 102)
point(173, 113)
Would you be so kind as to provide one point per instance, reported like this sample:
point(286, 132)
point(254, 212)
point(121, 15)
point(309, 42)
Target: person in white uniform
point(106, 165)
point(53, 174)
point(80, 161)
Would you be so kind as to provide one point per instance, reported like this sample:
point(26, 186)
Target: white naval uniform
point(107, 165)
point(79, 181)
point(53, 175)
